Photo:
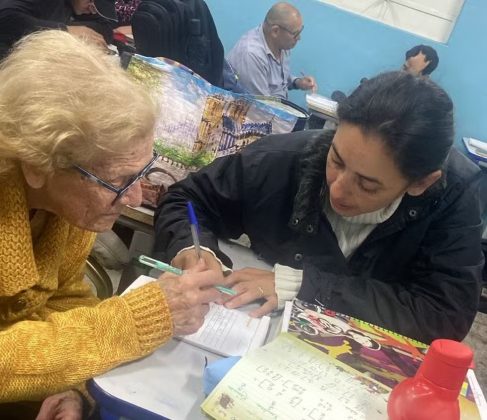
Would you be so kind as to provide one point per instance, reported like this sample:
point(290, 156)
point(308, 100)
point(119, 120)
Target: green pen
point(226, 290)
point(151, 262)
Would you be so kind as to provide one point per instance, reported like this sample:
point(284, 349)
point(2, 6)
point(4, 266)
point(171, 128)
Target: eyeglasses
point(122, 190)
point(294, 34)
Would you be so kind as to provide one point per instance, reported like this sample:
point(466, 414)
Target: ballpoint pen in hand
point(313, 87)
point(151, 262)
point(193, 221)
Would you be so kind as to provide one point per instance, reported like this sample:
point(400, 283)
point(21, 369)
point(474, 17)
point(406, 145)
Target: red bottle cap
point(446, 364)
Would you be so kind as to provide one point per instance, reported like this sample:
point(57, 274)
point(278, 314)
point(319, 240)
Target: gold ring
point(261, 290)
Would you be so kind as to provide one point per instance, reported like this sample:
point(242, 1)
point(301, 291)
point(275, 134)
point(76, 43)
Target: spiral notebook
point(380, 354)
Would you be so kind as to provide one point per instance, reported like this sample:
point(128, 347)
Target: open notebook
point(227, 332)
point(325, 365)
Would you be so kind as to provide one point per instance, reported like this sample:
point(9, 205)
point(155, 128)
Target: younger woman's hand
point(252, 284)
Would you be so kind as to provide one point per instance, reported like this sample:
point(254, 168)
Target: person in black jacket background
point(379, 220)
point(91, 19)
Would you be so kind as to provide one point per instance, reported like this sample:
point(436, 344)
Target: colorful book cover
point(373, 351)
point(199, 122)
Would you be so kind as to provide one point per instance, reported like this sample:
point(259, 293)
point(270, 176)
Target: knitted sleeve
point(73, 291)
point(41, 358)
point(77, 336)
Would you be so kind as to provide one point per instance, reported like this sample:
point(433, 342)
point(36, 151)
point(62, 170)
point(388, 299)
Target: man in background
point(260, 60)
point(90, 19)
point(421, 60)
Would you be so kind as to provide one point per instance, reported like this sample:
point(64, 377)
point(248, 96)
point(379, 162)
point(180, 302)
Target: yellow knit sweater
point(54, 334)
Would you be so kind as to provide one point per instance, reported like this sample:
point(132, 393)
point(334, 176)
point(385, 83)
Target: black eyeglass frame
point(122, 190)
point(293, 34)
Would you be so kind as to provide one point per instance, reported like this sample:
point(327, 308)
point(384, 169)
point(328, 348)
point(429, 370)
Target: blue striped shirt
point(258, 70)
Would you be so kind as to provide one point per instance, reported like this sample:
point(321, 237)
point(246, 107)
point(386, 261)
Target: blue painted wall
point(339, 48)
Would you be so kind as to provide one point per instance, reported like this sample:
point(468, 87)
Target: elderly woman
point(76, 135)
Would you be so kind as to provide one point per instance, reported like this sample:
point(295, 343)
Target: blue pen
point(151, 262)
point(193, 221)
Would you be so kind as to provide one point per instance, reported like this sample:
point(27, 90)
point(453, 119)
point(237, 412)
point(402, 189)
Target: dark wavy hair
point(412, 115)
point(430, 54)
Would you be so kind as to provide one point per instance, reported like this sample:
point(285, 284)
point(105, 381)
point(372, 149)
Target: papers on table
point(288, 379)
point(229, 332)
point(322, 104)
point(476, 147)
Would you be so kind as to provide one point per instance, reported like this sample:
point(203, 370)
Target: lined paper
point(229, 332)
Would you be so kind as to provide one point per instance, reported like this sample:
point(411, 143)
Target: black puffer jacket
point(418, 273)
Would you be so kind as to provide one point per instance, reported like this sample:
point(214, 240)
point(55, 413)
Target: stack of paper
point(322, 104)
point(476, 147)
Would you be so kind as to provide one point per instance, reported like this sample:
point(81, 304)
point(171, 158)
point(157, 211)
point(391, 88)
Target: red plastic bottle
point(432, 394)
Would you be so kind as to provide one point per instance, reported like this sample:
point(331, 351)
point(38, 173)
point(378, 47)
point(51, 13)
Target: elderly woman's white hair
point(65, 102)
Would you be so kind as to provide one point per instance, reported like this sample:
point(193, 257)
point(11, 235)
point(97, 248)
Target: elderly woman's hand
point(188, 296)
point(63, 406)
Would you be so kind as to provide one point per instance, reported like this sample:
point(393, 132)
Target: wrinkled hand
point(188, 259)
point(252, 284)
point(89, 34)
point(306, 83)
point(64, 406)
point(188, 296)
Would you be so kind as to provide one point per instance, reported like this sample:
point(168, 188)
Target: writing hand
point(188, 259)
point(89, 34)
point(306, 83)
point(252, 284)
point(63, 406)
point(188, 296)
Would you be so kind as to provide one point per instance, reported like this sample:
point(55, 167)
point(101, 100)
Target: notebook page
point(229, 332)
point(287, 379)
